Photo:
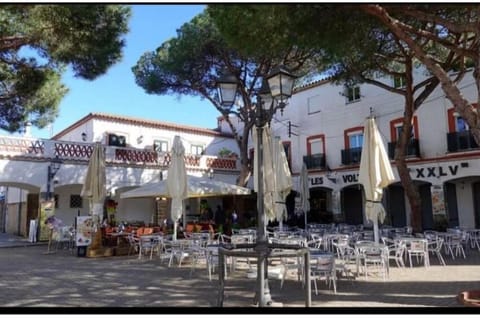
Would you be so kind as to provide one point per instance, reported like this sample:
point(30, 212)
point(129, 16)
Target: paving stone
point(31, 278)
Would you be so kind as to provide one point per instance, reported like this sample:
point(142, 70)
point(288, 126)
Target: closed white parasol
point(94, 186)
point(375, 173)
point(304, 192)
point(177, 181)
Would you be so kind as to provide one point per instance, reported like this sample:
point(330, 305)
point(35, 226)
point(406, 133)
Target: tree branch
point(438, 20)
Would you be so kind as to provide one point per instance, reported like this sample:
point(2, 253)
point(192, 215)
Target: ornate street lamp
point(227, 89)
point(52, 170)
point(280, 81)
point(274, 92)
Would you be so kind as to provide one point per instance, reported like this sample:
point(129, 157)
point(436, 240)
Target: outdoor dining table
point(246, 250)
point(407, 240)
point(446, 235)
point(119, 236)
point(318, 253)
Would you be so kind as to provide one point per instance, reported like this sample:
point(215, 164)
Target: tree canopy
point(358, 42)
point(455, 29)
point(37, 42)
point(192, 62)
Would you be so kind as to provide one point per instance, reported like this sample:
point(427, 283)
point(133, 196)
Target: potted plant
point(224, 152)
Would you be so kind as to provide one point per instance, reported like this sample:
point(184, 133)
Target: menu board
point(438, 201)
point(47, 210)
point(84, 230)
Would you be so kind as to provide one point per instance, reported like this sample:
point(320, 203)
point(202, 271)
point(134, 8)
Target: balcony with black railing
point(351, 156)
point(315, 161)
point(461, 141)
point(413, 149)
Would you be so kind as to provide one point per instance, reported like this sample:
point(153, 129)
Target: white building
point(326, 122)
point(322, 125)
point(137, 152)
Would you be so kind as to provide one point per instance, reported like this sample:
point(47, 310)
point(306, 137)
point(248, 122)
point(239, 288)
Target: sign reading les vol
point(350, 178)
point(316, 181)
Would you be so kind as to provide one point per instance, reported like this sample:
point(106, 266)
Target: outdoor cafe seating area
point(338, 252)
point(122, 239)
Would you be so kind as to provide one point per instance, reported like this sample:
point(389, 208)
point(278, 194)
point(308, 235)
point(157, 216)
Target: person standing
point(219, 216)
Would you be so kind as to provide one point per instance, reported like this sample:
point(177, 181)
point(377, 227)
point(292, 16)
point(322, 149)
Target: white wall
point(98, 130)
point(466, 217)
point(135, 209)
point(64, 212)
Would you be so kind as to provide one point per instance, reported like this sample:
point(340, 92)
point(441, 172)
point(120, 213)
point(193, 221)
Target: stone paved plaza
point(31, 278)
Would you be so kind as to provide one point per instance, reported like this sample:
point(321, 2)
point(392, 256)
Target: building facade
point(323, 127)
point(137, 152)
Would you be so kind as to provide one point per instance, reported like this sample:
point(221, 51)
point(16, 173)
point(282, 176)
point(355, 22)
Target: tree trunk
point(242, 143)
point(245, 162)
point(411, 190)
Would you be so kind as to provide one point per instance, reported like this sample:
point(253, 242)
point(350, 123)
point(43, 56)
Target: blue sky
point(116, 91)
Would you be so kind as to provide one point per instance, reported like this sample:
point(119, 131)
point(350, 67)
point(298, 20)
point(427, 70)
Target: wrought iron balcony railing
point(315, 161)
point(460, 141)
point(351, 156)
point(413, 149)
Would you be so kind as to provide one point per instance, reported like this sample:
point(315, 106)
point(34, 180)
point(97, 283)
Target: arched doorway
point(451, 204)
point(396, 206)
point(352, 204)
point(476, 203)
point(395, 210)
point(20, 205)
point(427, 209)
point(320, 205)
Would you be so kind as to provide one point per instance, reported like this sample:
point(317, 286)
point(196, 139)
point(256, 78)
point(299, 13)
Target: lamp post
point(275, 90)
point(52, 170)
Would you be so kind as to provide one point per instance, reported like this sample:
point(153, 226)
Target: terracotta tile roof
point(141, 122)
point(312, 84)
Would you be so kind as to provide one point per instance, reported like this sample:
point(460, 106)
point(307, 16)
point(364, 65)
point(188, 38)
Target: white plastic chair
point(240, 239)
point(474, 236)
point(375, 258)
point(316, 241)
point(453, 245)
point(148, 245)
point(346, 256)
point(198, 253)
point(435, 247)
point(323, 268)
point(134, 243)
point(212, 260)
point(395, 253)
point(290, 263)
point(179, 251)
point(419, 248)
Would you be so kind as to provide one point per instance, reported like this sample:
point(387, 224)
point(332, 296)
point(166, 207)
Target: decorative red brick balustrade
point(73, 150)
point(222, 163)
point(23, 147)
point(130, 155)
